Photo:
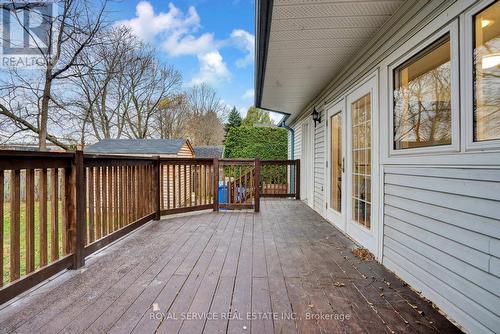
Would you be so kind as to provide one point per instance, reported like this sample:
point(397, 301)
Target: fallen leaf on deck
point(363, 254)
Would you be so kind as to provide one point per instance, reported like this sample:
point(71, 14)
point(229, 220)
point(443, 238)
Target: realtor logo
point(25, 32)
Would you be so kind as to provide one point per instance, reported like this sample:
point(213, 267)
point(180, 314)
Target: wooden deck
point(287, 267)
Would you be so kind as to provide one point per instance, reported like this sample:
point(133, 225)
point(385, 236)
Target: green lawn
point(6, 233)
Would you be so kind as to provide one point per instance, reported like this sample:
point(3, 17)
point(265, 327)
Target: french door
point(361, 221)
point(351, 167)
point(335, 166)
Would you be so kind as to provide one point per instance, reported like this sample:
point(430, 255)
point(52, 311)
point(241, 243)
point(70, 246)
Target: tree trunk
point(44, 113)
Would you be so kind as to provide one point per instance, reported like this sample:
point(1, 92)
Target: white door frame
point(368, 238)
point(335, 217)
point(307, 161)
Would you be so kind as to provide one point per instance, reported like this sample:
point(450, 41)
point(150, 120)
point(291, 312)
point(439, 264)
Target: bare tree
point(98, 84)
point(28, 98)
point(207, 114)
point(146, 83)
point(173, 118)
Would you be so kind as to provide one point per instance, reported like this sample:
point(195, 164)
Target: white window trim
point(368, 237)
point(333, 216)
point(452, 29)
point(308, 158)
point(467, 82)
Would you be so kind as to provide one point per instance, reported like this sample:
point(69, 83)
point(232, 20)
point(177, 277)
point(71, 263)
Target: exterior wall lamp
point(316, 116)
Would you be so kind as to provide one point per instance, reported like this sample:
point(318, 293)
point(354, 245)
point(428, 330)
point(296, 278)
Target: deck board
point(214, 268)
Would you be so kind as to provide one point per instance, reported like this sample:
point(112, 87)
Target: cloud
point(249, 94)
point(244, 41)
point(177, 34)
point(212, 68)
point(178, 45)
point(147, 24)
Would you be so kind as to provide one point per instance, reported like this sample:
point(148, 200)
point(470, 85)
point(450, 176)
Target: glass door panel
point(336, 162)
point(361, 161)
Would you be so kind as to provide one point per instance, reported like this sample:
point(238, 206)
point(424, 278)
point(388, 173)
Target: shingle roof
point(208, 151)
point(137, 146)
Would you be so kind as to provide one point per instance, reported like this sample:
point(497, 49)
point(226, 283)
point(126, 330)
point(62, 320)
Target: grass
point(7, 241)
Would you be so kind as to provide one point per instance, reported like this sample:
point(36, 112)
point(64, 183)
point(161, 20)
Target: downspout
point(292, 147)
point(292, 135)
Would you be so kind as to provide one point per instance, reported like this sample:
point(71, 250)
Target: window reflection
point(336, 162)
point(422, 98)
point(487, 74)
point(361, 160)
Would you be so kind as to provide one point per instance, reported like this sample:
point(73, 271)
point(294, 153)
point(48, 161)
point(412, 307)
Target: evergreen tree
point(234, 119)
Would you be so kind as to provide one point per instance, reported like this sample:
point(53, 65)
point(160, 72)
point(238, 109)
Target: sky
point(208, 41)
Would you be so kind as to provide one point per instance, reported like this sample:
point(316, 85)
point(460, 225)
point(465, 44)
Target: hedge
point(262, 142)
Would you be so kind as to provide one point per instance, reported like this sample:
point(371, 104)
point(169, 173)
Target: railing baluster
point(77, 210)
point(30, 218)
point(54, 232)
point(98, 216)
point(104, 201)
point(257, 191)
point(43, 216)
point(15, 224)
point(186, 185)
point(169, 188)
point(191, 180)
point(91, 204)
point(115, 198)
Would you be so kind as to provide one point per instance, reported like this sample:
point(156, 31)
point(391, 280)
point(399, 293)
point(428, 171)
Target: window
point(361, 160)
point(486, 66)
point(422, 98)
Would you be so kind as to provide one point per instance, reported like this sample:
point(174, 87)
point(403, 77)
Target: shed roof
point(215, 151)
point(137, 146)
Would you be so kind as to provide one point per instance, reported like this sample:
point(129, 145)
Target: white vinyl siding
point(298, 140)
point(319, 165)
point(442, 235)
point(319, 159)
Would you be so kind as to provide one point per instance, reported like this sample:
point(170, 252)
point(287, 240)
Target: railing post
point(78, 204)
point(157, 188)
point(257, 185)
point(216, 184)
point(297, 179)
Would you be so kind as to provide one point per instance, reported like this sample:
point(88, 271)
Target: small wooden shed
point(164, 148)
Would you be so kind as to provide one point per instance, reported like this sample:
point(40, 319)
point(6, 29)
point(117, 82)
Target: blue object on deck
point(224, 192)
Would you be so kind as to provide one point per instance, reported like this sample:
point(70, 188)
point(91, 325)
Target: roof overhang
point(301, 46)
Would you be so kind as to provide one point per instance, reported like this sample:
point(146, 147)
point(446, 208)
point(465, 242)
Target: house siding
point(319, 160)
point(319, 165)
point(442, 234)
point(185, 151)
point(440, 212)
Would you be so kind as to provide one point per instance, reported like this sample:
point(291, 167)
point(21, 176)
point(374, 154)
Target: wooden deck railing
point(186, 185)
point(237, 186)
point(58, 208)
point(280, 178)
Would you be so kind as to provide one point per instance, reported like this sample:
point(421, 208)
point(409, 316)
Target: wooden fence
point(58, 208)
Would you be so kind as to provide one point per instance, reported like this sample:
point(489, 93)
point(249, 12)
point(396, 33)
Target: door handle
point(343, 163)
